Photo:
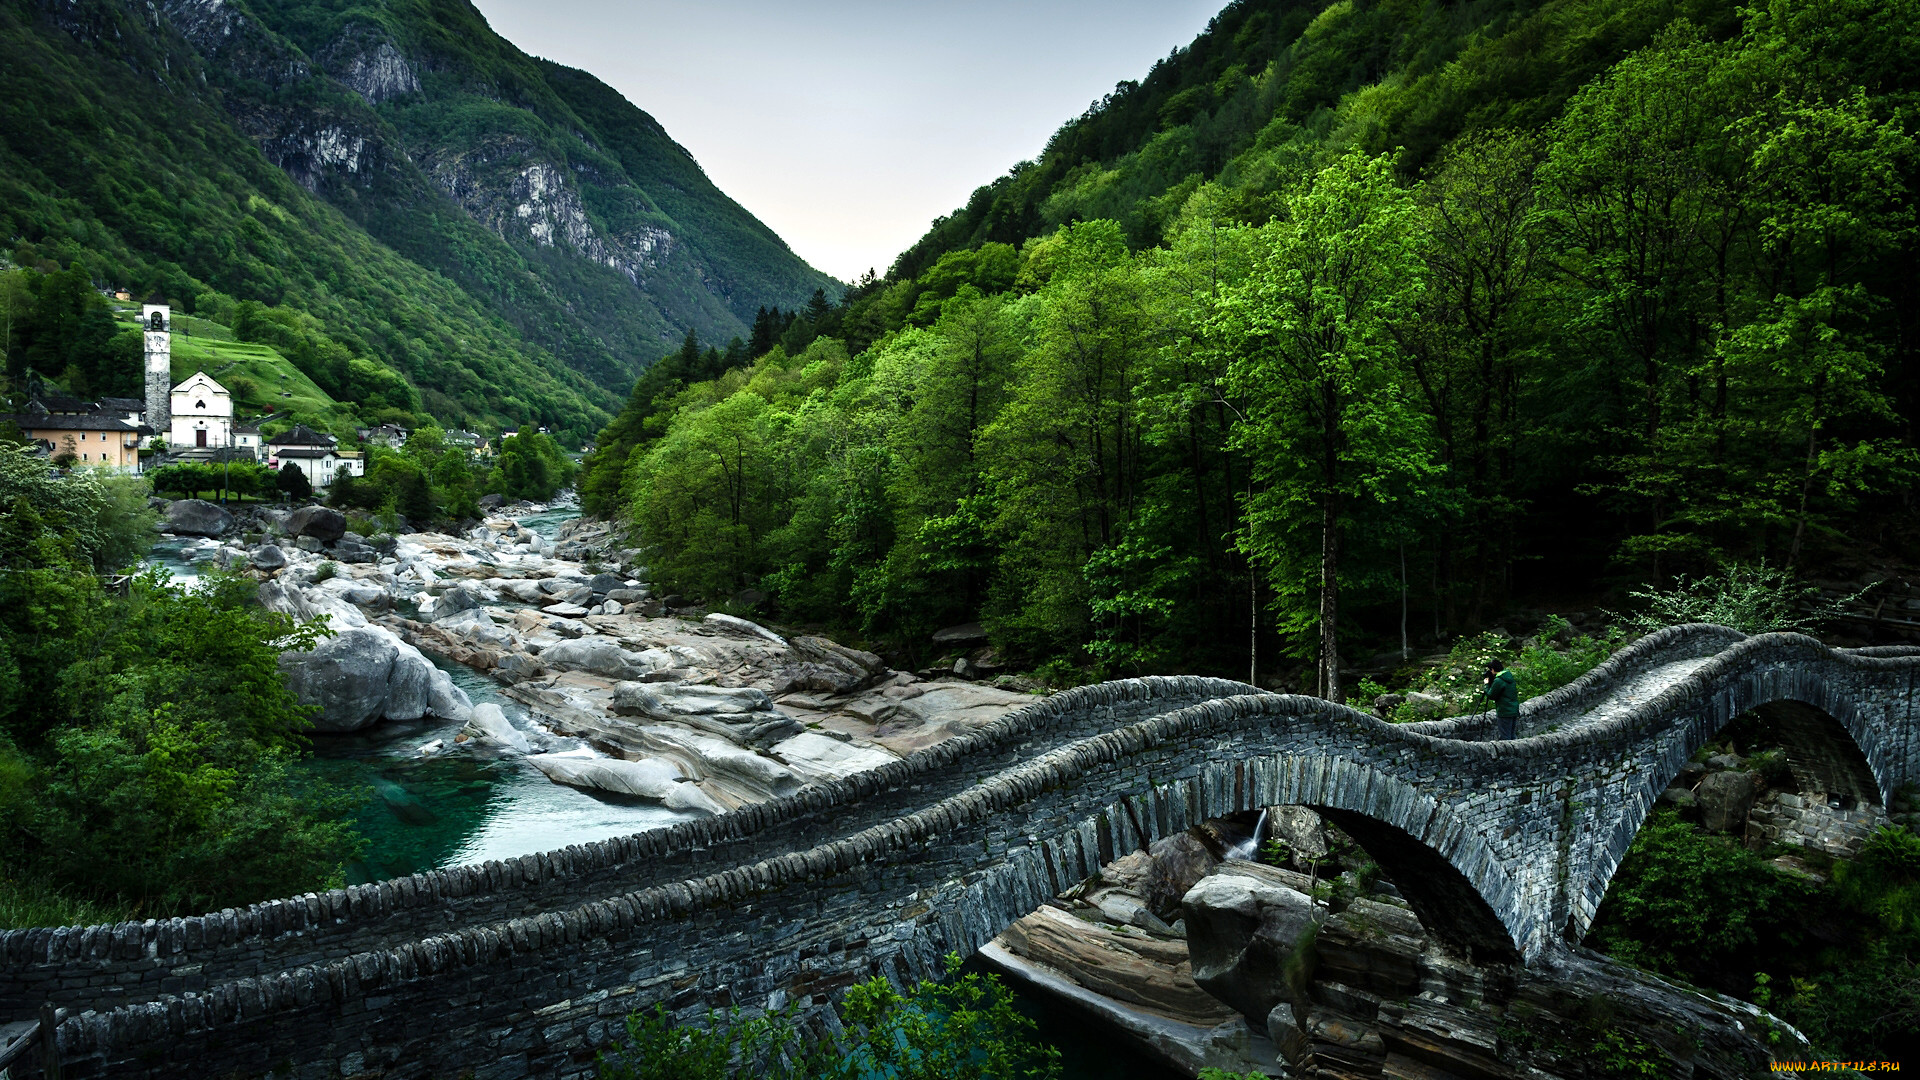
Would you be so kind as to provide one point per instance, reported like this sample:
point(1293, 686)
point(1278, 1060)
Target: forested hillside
point(512, 237)
point(1351, 319)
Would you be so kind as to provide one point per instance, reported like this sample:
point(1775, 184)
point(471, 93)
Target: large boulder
point(348, 675)
point(825, 666)
point(267, 557)
point(744, 715)
point(323, 524)
point(1724, 799)
point(1300, 830)
point(197, 517)
point(1179, 862)
point(454, 601)
point(965, 634)
point(363, 674)
point(654, 780)
point(1243, 922)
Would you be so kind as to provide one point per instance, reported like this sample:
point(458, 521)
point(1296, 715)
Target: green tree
point(1332, 421)
point(291, 481)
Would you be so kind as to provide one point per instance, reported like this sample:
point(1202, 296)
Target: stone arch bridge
point(523, 967)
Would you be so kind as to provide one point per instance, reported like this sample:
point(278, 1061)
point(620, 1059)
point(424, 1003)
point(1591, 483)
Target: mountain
point(1274, 79)
point(511, 235)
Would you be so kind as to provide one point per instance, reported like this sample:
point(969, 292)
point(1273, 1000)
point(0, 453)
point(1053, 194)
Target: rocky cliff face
point(457, 150)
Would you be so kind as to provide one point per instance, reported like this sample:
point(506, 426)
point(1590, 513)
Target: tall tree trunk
point(1330, 601)
point(1330, 541)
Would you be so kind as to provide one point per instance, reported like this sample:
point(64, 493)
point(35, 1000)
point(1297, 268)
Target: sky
point(849, 126)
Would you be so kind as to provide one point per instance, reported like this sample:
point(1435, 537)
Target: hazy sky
point(849, 126)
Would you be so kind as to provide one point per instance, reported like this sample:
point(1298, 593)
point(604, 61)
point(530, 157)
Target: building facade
point(201, 413)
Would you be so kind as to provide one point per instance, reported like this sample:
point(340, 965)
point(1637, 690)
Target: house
point(61, 405)
point(318, 456)
point(202, 414)
point(300, 436)
point(96, 440)
point(320, 463)
point(391, 435)
point(246, 436)
point(126, 408)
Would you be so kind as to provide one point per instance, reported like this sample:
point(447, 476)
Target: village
point(196, 420)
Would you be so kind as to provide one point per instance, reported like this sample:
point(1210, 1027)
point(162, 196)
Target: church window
point(199, 405)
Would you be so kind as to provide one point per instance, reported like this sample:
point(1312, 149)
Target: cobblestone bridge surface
point(523, 967)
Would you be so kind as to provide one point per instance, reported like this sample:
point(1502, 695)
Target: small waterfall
point(1249, 848)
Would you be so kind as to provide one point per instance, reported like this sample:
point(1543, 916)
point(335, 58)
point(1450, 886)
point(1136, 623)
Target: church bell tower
point(156, 324)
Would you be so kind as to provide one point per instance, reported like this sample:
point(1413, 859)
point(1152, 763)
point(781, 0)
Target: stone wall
point(1812, 821)
point(1499, 846)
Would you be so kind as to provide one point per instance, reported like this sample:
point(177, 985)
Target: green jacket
point(1504, 692)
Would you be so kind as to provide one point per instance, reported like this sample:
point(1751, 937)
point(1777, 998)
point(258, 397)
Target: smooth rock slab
point(490, 726)
point(654, 780)
point(744, 715)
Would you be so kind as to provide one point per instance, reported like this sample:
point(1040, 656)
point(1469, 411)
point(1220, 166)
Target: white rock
point(816, 757)
point(742, 626)
point(490, 725)
point(649, 779)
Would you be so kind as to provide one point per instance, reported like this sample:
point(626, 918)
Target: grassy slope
point(199, 345)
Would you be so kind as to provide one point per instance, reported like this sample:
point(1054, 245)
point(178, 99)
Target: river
point(432, 811)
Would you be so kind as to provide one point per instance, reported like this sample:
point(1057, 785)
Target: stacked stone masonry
point(524, 967)
point(1813, 822)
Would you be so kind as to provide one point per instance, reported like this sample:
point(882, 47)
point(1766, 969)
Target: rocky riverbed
point(1203, 961)
point(696, 712)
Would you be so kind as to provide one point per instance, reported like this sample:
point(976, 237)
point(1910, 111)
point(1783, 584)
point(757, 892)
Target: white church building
point(202, 414)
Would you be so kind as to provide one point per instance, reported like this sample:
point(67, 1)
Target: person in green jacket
point(1504, 692)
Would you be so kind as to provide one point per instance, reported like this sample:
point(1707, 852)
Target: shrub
point(1699, 907)
point(292, 482)
point(1751, 599)
point(963, 1029)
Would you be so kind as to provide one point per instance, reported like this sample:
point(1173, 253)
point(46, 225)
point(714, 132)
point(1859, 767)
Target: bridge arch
point(1436, 858)
point(1816, 697)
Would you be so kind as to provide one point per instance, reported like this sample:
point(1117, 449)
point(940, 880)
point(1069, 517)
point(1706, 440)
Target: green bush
point(151, 769)
point(530, 466)
point(1699, 907)
point(963, 1029)
point(1751, 599)
point(1538, 667)
point(292, 482)
point(102, 521)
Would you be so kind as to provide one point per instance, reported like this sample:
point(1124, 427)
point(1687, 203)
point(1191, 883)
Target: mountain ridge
point(133, 133)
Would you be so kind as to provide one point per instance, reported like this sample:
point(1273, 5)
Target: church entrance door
point(200, 437)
